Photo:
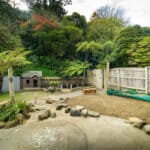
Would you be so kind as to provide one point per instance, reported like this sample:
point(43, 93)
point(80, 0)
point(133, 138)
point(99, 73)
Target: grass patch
point(24, 95)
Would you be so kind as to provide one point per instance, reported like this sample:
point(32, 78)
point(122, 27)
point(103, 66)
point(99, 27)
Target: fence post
point(106, 77)
point(118, 78)
point(146, 80)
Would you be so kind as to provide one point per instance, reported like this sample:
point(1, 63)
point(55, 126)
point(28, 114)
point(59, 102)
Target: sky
point(138, 11)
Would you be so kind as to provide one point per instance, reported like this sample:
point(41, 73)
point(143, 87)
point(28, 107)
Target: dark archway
point(35, 83)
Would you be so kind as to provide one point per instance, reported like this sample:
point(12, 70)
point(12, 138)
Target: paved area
point(74, 133)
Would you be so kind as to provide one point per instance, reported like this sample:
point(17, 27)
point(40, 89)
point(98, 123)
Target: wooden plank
point(146, 80)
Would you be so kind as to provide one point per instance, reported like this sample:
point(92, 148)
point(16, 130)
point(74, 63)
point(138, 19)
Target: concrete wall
point(5, 87)
point(95, 77)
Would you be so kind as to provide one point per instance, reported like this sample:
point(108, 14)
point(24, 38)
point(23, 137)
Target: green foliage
point(13, 58)
point(139, 53)
point(91, 51)
point(8, 41)
point(103, 29)
point(75, 69)
point(127, 36)
point(9, 111)
point(75, 20)
point(53, 6)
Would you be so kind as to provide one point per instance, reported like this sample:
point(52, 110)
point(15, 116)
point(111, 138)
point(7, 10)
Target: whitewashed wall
point(95, 77)
point(5, 87)
point(135, 78)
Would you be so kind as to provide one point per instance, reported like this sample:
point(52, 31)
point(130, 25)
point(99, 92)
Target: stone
point(26, 115)
point(79, 107)
point(31, 109)
point(53, 114)
point(84, 113)
point(61, 98)
point(146, 128)
point(60, 106)
point(47, 112)
point(44, 115)
point(11, 124)
point(31, 105)
point(50, 101)
point(137, 122)
point(93, 114)
point(2, 124)
point(67, 110)
point(20, 118)
point(66, 99)
point(75, 112)
point(39, 108)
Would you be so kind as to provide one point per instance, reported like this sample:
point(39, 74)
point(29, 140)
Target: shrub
point(9, 111)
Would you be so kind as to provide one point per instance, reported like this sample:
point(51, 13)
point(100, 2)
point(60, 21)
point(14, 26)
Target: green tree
point(75, 69)
point(8, 60)
point(139, 53)
point(75, 20)
point(126, 37)
point(88, 47)
point(54, 6)
point(103, 29)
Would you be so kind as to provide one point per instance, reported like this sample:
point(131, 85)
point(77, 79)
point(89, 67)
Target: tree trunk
point(1, 81)
point(11, 85)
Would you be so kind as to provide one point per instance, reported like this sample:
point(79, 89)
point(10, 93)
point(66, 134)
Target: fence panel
point(130, 78)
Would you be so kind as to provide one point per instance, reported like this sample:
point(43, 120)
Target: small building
point(31, 80)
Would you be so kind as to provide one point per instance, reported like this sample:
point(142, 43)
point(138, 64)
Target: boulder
point(26, 115)
point(2, 124)
point(31, 105)
point(39, 108)
point(138, 123)
point(11, 124)
point(146, 128)
point(44, 115)
point(93, 114)
point(20, 118)
point(50, 101)
point(31, 109)
point(75, 112)
point(84, 113)
point(67, 109)
point(61, 105)
point(53, 114)
point(79, 107)
point(66, 99)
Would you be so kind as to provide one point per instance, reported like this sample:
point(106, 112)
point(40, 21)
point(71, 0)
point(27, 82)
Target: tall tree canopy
point(54, 6)
point(139, 53)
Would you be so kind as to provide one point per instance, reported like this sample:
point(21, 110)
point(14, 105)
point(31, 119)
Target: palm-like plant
point(87, 47)
point(76, 69)
point(8, 60)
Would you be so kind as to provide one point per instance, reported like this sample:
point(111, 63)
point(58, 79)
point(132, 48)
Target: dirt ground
point(114, 106)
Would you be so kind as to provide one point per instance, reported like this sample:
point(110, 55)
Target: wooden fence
point(130, 78)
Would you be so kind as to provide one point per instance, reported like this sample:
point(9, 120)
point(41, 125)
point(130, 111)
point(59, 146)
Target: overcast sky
point(137, 10)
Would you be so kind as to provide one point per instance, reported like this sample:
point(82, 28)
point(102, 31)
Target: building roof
point(32, 73)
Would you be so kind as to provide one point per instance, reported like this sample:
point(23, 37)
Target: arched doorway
point(35, 83)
